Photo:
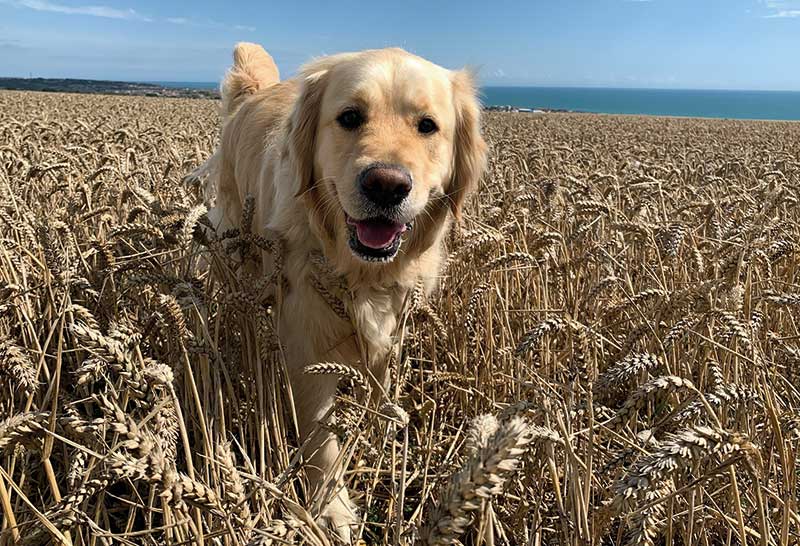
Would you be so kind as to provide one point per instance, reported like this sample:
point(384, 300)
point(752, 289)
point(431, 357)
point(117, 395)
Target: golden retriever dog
point(364, 158)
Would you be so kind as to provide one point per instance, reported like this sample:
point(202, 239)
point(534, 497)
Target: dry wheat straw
point(626, 258)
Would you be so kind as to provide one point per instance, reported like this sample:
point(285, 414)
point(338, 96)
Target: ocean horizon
point(699, 103)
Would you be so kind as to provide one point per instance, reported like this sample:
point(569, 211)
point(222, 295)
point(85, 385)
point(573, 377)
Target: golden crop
point(612, 357)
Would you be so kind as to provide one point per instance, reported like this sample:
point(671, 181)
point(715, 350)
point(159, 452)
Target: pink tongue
point(377, 234)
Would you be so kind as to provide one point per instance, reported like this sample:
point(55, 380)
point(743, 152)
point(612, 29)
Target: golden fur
point(282, 145)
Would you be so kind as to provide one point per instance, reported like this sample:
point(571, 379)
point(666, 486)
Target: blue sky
point(711, 44)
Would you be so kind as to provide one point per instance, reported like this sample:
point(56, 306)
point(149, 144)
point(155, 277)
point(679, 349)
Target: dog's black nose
point(385, 185)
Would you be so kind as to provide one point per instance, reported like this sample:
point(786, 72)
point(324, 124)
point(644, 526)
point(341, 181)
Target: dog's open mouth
point(376, 239)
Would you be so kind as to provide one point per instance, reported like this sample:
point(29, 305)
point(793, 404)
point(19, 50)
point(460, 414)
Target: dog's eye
point(350, 119)
point(427, 126)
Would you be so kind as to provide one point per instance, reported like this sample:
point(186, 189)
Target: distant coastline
point(106, 87)
point(719, 104)
point(192, 90)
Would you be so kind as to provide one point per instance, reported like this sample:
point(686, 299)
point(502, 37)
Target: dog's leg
point(313, 398)
point(311, 333)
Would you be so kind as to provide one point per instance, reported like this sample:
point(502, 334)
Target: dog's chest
point(355, 327)
point(375, 313)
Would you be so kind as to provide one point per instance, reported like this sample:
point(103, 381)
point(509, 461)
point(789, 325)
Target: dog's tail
point(253, 69)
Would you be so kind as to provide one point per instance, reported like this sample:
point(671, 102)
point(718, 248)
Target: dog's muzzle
point(377, 237)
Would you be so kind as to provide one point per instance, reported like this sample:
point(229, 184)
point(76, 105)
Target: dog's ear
point(470, 148)
point(303, 125)
point(252, 69)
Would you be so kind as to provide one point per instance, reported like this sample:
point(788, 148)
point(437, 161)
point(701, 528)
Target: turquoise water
point(783, 105)
point(658, 102)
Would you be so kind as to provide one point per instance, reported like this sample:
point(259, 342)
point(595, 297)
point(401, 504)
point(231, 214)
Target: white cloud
point(117, 13)
point(781, 9)
point(93, 11)
point(784, 14)
point(775, 4)
point(206, 23)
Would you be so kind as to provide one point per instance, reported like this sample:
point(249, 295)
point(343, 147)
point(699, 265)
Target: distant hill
point(104, 87)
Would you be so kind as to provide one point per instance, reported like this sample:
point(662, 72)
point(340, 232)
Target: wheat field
point(612, 357)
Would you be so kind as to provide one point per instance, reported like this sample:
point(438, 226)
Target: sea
point(773, 105)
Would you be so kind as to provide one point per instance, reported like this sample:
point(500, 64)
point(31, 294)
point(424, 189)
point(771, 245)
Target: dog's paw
point(340, 518)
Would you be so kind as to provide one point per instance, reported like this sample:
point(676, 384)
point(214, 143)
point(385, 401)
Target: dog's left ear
point(470, 148)
point(303, 126)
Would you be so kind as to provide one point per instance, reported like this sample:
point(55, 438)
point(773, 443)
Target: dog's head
point(384, 144)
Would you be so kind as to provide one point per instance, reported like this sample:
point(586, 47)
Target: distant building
point(507, 108)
